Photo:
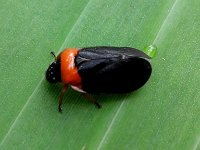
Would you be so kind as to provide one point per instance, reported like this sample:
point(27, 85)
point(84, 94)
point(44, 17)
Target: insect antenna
point(54, 55)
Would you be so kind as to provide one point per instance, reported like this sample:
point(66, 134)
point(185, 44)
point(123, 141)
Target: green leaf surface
point(164, 114)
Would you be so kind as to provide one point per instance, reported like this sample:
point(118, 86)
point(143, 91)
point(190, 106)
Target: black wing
point(112, 69)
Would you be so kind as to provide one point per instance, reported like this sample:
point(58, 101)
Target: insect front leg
point(61, 97)
point(91, 99)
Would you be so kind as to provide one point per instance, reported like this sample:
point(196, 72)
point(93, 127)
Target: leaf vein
point(110, 126)
point(165, 22)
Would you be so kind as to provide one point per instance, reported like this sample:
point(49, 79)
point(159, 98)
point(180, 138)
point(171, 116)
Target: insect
point(103, 69)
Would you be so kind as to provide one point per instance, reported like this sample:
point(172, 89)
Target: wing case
point(112, 69)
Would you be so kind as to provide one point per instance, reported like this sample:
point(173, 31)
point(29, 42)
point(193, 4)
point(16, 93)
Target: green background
point(164, 114)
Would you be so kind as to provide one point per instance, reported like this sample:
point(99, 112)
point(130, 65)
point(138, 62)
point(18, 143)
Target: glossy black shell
point(112, 70)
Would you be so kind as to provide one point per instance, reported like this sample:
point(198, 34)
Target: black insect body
point(94, 70)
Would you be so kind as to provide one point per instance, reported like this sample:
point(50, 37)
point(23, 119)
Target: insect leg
point(91, 99)
point(61, 97)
